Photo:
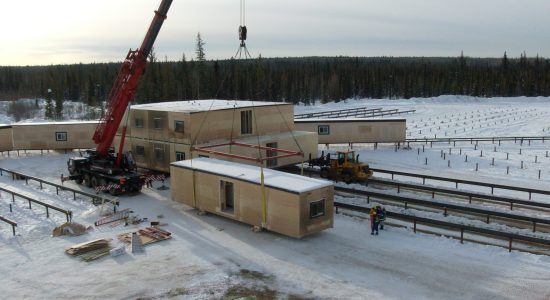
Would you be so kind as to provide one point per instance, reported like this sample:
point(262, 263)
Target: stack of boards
point(91, 250)
point(95, 249)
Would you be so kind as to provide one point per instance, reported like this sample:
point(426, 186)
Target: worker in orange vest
point(374, 220)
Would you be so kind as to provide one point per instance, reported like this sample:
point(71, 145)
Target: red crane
point(100, 169)
point(125, 86)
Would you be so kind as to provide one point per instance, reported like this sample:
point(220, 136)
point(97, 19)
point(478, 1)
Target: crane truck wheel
point(102, 182)
point(87, 180)
point(113, 191)
point(78, 180)
point(324, 173)
point(95, 182)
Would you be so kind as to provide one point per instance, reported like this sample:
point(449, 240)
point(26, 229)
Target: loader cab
point(346, 157)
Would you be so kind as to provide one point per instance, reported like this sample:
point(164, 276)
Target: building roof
point(55, 123)
point(347, 120)
point(202, 105)
point(272, 178)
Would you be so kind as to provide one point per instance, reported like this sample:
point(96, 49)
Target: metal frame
point(207, 149)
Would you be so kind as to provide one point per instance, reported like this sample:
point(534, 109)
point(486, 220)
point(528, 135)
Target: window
point(178, 126)
point(180, 156)
point(61, 136)
point(317, 209)
point(246, 122)
point(157, 123)
point(270, 153)
point(138, 122)
point(323, 130)
point(159, 153)
point(205, 156)
point(140, 150)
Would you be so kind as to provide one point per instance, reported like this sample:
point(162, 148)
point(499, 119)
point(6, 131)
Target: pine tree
point(199, 50)
point(58, 108)
point(200, 69)
point(49, 105)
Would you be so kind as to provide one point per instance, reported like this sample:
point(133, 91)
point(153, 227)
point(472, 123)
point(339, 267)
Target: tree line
point(304, 79)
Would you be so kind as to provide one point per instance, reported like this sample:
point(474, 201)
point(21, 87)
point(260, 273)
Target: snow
point(351, 119)
point(201, 105)
point(58, 123)
point(33, 111)
point(210, 257)
point(272, 178)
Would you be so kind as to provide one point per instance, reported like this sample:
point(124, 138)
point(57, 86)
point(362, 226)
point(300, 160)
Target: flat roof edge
point(348, 121)
point(174, 164)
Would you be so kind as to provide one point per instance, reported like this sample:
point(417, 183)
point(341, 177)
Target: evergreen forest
point(293, 80)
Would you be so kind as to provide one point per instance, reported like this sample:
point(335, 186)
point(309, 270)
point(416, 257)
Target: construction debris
point(135, 220)
point(122, 214)
point(136, 244)
point(70, 229)
point(90, 250)
point(147, 235)
point(118, 251)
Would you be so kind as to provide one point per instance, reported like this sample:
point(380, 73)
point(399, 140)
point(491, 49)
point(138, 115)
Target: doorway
point(227, 197)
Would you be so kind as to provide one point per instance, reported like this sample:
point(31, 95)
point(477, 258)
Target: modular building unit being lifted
point(160, 133)
point(288, 204)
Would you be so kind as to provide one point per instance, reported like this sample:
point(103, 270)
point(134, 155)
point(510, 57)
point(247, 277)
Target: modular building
point(160, 133)
point(341, 131)
point(6, 138)
point(53, 136)
point(293, 205)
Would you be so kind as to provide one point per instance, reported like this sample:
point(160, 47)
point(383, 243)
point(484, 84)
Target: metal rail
point(12, 223)
point(464, 181)
point(95, 198)
point(334, 112)
point(353, 113)
point(386, 113)
point(444, 224)
point(67, 213)
point(520, 139)
point(470, 195)
point(446, 206)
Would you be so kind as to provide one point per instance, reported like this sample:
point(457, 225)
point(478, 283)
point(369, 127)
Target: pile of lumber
point(90, 250)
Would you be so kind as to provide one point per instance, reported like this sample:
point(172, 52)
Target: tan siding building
point(54, 136)
point(295, 205)
point(160, 133)
point(341, 131)
point(6, 138)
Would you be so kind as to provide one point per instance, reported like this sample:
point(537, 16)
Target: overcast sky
point(71, 31)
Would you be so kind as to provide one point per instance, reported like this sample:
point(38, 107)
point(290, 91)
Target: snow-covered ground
point(212, 257)
point(33, 110)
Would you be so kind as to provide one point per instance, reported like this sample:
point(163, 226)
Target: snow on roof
point(202, 105)
point(56, 123)
point(349, 119)
point(275, 179)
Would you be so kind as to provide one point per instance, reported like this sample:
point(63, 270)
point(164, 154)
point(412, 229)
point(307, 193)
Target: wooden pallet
point(147, 235)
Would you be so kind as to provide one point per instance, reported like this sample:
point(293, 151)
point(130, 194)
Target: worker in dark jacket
point(381, 213)
point(373, 221)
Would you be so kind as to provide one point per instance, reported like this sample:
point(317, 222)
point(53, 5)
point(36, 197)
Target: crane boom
point(125, 85)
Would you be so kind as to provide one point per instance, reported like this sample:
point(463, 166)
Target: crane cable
point(262, 177)
point(194, 140)
point(242, 20)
